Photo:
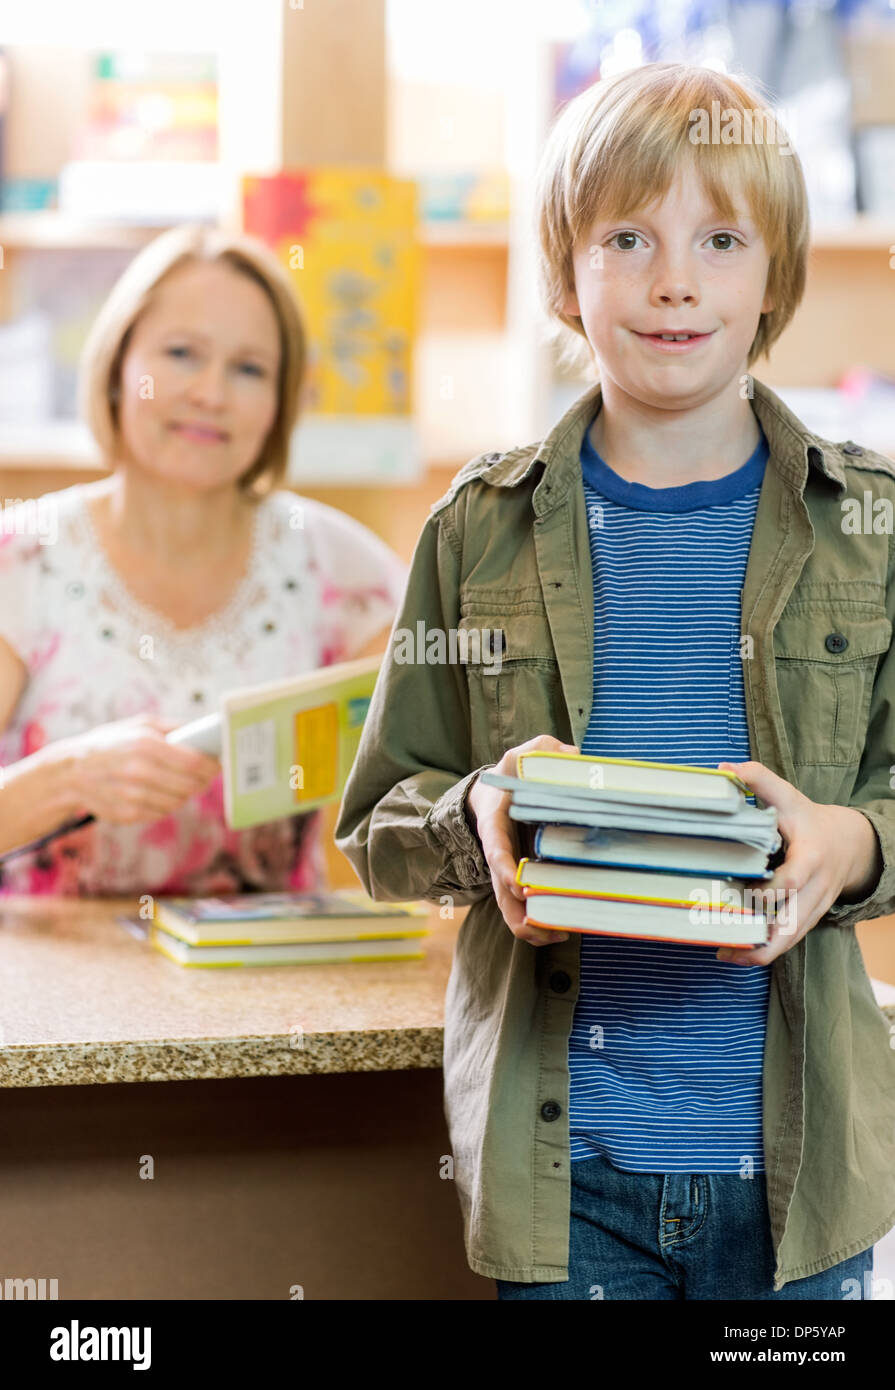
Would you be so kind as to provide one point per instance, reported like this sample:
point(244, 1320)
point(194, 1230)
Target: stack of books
point(287, 929)
point(625, 847)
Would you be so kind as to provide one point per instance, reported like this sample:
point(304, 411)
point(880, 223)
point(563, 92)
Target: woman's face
point(199, 378)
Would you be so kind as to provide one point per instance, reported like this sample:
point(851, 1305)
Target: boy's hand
point(831, 852)
point(495, 829)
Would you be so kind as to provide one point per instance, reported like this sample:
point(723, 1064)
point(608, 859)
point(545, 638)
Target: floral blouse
point(319, 586)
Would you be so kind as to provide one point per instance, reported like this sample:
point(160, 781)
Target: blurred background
point(386, 150)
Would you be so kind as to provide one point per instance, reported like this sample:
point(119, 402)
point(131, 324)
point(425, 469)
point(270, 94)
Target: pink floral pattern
point(94, 653)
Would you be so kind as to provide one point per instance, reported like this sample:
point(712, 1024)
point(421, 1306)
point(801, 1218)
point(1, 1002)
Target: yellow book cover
point(282, 953)
point(251, 919)
point(288, 746)
point(716, 894)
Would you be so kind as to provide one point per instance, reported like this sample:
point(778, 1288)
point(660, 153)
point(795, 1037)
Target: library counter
point(287, 1139)
point(86, 1000)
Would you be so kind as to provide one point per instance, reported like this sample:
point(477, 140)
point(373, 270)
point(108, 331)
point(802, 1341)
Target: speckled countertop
point(85, 1001)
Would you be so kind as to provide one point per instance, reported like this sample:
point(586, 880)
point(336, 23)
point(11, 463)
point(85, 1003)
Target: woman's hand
point(831, 852)
point(495, 829)
point(125, 772)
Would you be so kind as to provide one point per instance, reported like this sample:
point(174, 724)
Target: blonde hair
point(99, 384)
point(619, 143)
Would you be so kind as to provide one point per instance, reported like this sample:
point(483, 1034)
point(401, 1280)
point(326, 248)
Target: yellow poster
point(349, 238)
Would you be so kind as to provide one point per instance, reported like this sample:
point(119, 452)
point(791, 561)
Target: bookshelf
point(479, 330)
point(478, 300)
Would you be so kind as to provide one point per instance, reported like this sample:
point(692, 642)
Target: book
point(359, 229)
point(180, 91)
point(645, 849)
point(288, 746)
point(663, 831)
point(657, 923)
point(635, 780)
point(754, 827)
point(583, 806)
point(285, 952)
point(276, 918)
point(596, 881)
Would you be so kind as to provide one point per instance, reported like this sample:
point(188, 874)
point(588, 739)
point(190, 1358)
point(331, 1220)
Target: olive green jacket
point(507, 547)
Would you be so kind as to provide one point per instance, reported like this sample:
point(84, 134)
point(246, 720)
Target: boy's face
point(675, 265)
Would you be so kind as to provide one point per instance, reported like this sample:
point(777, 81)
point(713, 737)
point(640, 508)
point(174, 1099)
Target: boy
point(673, 578)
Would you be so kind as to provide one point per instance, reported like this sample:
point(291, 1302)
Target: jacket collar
point(793, 449)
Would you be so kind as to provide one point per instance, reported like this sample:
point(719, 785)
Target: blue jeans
point(679, 1236)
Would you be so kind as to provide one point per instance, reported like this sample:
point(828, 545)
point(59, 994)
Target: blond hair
point(618, 144)
point(99, 386)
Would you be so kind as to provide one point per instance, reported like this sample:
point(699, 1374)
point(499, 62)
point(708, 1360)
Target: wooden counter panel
point(333, 1183)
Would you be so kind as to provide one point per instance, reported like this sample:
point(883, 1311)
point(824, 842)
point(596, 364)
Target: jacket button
point(550, 1110)
point(835, 642)
point(851, 448)
point(560, 982)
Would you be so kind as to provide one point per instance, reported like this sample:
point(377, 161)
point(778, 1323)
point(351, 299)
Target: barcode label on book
point(256, 760)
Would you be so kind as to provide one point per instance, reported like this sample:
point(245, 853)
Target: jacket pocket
point(826, 655)
point(515, 692)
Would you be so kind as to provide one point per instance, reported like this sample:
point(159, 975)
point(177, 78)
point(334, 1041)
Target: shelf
point(463, 234)
point(860, 233)
point(52, 444)
point(51, 230)
point(449, 436)
point(56, 230)
point(66, 445)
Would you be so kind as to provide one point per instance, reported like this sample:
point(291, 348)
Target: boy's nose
point(670, 291)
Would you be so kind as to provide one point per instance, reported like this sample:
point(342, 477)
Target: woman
point(184, 574)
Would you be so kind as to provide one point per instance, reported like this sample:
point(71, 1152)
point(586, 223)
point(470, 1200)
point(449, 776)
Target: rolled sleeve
point(449, 822)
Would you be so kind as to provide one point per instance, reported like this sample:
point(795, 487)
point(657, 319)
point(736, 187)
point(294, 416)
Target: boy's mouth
point(671, 341)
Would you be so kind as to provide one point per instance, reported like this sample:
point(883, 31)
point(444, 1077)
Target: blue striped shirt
point(667, 1042)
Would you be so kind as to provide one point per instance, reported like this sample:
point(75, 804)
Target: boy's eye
point(633, 236)
point(177, 351)
point(716, 236)
point(253, 369)
point(725, 236)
